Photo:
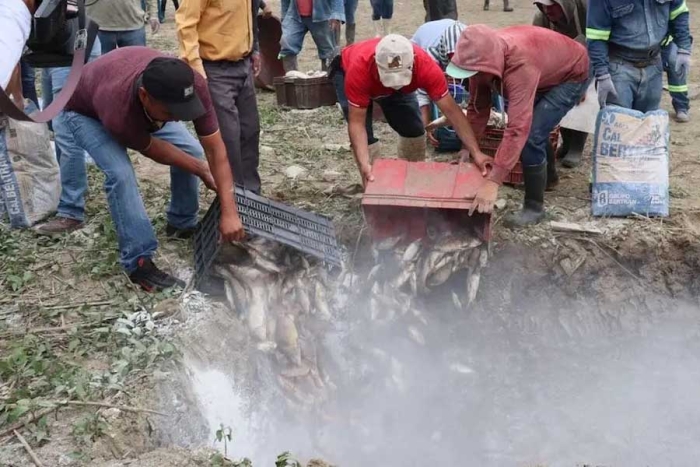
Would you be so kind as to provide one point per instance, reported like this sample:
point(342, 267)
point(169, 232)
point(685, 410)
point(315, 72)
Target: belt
point(636, 58)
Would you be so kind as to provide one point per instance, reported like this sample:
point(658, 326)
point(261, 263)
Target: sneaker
point(182, 234)
point(152, 279)
point(682, 116)
point(59, 225)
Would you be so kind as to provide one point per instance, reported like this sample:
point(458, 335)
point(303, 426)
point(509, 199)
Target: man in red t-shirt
point(136, 97)
point(388, 71)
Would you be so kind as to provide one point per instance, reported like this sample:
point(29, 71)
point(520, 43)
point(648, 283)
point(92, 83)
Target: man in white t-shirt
point(15, 24)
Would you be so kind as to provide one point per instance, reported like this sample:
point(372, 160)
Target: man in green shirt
point(122, 22)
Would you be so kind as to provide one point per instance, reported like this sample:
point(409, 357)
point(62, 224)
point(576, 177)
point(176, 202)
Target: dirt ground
point(657, 255)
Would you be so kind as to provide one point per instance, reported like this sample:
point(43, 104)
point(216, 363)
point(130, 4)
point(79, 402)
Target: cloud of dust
point(540, 380)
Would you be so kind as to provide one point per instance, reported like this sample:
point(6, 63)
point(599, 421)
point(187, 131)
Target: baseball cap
point(170, 81)
point(459, 73)
point(544, 2)
point(394, 56)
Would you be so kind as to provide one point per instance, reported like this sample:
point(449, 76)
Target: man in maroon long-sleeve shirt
point(542, 75)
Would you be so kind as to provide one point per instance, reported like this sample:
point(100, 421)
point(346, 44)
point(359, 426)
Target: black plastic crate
point(302, 230)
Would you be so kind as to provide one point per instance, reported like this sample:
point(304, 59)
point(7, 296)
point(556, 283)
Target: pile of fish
point(289, 303)
point(284, 301)
point(403, 276)
point(307, 75)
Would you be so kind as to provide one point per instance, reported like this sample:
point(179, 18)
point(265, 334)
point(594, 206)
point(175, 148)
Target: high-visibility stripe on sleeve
point(679, 88)
point(597, 34)
point(679, 11)
point(666, 41)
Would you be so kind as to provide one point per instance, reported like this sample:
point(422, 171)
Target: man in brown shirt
point(136, 98)
point(219, 40)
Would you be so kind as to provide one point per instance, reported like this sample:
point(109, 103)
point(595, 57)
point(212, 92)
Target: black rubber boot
point(289, 63)
point(506, 6)
point(533, 206)
point(577, 141)
point(349, 34)
point(563, 150)
point(552, 175)
point(486, 5)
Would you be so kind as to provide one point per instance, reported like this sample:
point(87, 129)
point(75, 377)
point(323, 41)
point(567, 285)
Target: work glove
point(605, 88)
point(683, 62)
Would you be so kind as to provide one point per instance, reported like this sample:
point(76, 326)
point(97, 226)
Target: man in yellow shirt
point(219, 39)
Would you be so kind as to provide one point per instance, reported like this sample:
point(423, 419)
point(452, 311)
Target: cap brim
point(186, 111)
point(459, 73)
point(544, 2)
point(395, 79)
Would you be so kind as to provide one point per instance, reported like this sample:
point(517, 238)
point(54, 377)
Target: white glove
point(683, 62)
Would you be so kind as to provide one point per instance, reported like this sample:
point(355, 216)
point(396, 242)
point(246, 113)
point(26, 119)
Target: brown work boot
point(59, 225)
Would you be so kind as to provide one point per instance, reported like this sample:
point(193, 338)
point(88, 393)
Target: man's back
point(117, 15)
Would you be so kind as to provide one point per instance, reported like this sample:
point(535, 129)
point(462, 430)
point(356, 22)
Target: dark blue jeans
point(161, 8)
point(29, 83)
point(400, 110)
point(550, 108)
point(350, 9)
point(677, 82)
point(637, 88)
point(382, 9)
point(110, 40)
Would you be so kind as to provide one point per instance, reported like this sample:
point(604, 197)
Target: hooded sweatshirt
point(525, 60)
point(574, 25)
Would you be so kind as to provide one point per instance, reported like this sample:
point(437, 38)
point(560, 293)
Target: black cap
point(170, 81)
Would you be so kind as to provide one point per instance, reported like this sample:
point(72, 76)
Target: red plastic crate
point(415, 199)
point(492, 139)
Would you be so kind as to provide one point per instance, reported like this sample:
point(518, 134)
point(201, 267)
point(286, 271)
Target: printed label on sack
point(630, 163)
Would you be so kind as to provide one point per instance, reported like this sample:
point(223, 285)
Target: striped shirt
point(439, 39)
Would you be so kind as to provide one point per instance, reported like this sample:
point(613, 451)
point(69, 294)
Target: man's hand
point(482, 161)
point(605, 88)
point(366, 173)
point(485, 198)
point(431, 139)
point(205, 175)
point(155, 25)
point(267, 11)
point(231, 228)
point(334, 25)
point(683, 62)
point(255, 61)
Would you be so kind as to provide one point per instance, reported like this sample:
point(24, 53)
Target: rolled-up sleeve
point(187, 20)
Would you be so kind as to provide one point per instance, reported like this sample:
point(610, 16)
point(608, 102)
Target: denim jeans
point(134, 230)
point(112, 39)
point(29, 82)
point(677, 82)
point(637, 88)
point(400, 110)
point(161, 8)
point(294, 29)
point(350, 9)
point(70, 156)
point(550, 108)
point(382, 9)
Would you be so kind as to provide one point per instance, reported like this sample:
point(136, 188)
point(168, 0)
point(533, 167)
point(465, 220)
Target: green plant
point(285, 460)
point(90, 428)
point(224, 434)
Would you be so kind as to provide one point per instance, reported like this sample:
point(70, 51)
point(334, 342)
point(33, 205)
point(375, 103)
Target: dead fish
point(457, 302)
point(441, 274)
point(256, 313)
point(416, 335)
point(413, 281)
point(271, 327)
point(389, 243)
point(321, 302)
point(474, 257)
point(302, 296)
point(452, 243)
point(472, 286)
point(374, 272)
point(287, 338)
point(484, 257)
point(230, 297)
point(426, 267)
point(404, 277)
point(292, 390)
point(266, 346)
point(267, 265)
point(412, 251)
point(462, 369)
point(419, 316)
point(296, 371)
point(440, 122)
point(307, 347)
